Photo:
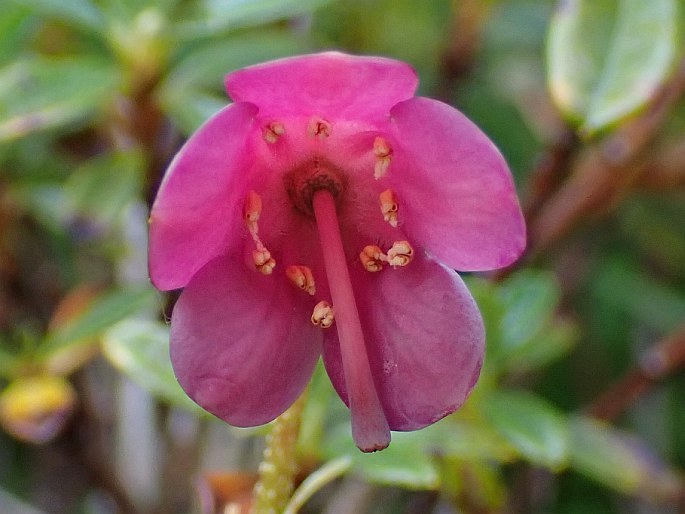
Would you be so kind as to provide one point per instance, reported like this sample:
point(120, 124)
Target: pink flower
point(322, 213)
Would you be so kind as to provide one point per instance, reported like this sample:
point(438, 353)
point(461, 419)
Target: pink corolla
point(323, 213)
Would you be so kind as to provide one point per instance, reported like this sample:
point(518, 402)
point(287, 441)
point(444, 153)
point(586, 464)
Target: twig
point(657, 363)
point(605, 172)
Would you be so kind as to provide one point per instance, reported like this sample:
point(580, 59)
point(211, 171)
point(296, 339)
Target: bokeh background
point(581, 406)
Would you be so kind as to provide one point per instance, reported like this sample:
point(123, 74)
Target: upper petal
point(199, 198)
point(242, 344)
point(457, 197)
point(328, 84)
point(425, 340)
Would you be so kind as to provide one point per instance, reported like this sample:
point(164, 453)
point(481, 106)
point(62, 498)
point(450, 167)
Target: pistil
point(369, 425)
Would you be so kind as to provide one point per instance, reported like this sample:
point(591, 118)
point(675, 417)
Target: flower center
point(316, 175)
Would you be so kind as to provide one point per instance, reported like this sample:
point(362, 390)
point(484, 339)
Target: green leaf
point(193, 89)
point(317, 413)
point(530, 298)
point(606, 58)
point(15, 29)
point(620, 284)
point(532, 426)
point(41, 93)
point(467, 440)
point(192, 108)
point(619, 460)
point(9, 362)
point(102, 314)
point(212, 17)
point(79, 13)
point(140, 349)
point(519, 314)
point(102, 187)
point(405, 463)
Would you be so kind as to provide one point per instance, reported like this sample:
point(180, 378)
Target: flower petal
point(457, 197)
point(425, 340)
point(329, 84)
point(199, 198)
point(242, 344)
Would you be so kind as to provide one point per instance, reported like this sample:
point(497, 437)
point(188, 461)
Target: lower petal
point(242, 344)
point(425, 340)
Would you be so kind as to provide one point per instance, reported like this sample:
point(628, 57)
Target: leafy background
point(581, 404)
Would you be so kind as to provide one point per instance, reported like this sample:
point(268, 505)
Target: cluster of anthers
point(317, 176)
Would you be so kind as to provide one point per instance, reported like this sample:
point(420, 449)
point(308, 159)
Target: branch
point(605, 172)
point(662, 359)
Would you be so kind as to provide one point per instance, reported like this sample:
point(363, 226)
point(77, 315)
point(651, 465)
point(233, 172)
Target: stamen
point(389, 206)
point(383, 153)
point(302, 277)
point(273, 131)
point(372, 258)
point(323, 314)
point(263, 261)
point(318, 127)
point(400, 254)
point(252, 209)
point(370, 428)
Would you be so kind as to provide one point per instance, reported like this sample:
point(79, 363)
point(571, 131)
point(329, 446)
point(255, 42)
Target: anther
point(383, 153)
point(302, 277)
point(389, 206)
point(400, 254)
point(252, 210)
point(323, 314)
point(273, 131)
point(372, 258)
point(318, 127)
point(263, 261)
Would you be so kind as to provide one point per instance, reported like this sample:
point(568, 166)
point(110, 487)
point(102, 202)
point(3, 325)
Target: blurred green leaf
point(211, 17)
point(530, 297)
point(619, 460)
point(519, 314)
point(79, 13)
point(404, 463)
point(193, 89)
point(102, 314)
point(14, 27)
point(467, 440)
point(606, 58)
point(408, 461)
point(404, 29)
point(104, 185)
point(192, 108)
point(648, 222)
point(620, 284)
point(9, 362)
point(532, 426)
point(317, 413)
point(140, 349)
point(555, 341)
point(41, 93)
point(315, 481)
